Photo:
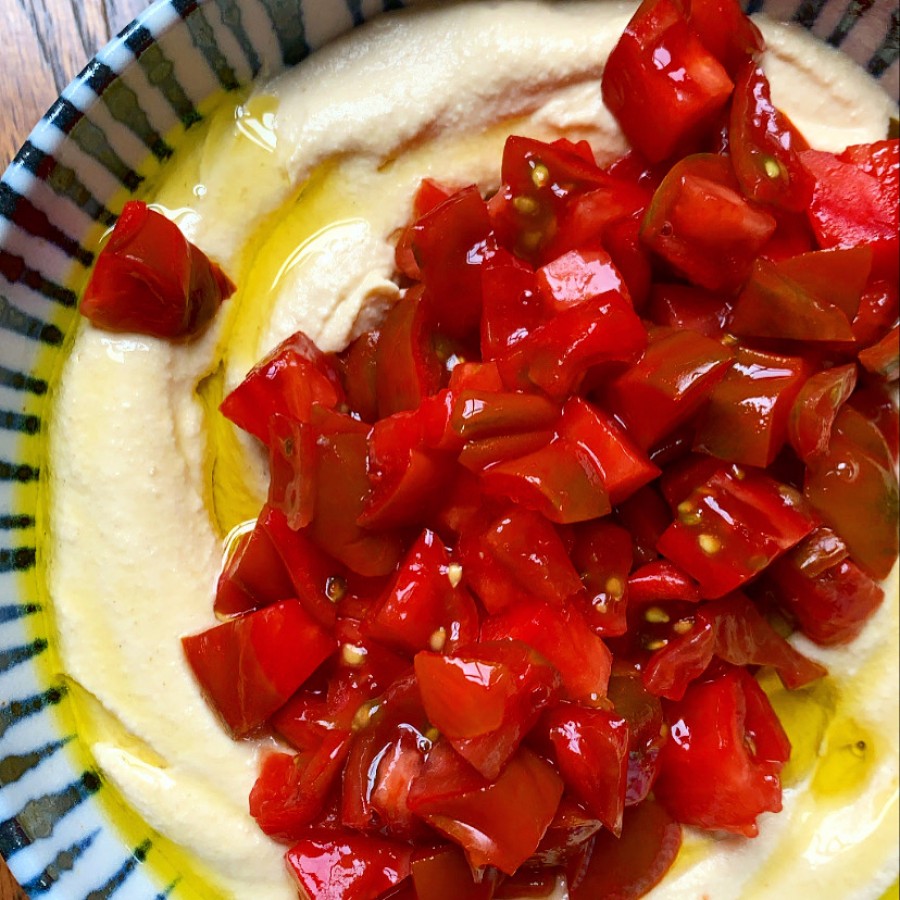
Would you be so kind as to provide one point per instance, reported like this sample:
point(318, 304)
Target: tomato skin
point(683, 306)
point(709, 776)
point(590, 747)
point(555, 356)
point(290, 790)
point(659, 112)
point(661, 580)
point(850, 208)
point(815, 408)
point(726, 31)
point(485, 698)
point(151, 280)
point(627, 867)
point(577, 276)
point(563, 637)
point(854, 489)
point(730, 528)
point(346, 866)
point(830, 607)
point(448, 243)
point(496, 823)
point(442, 873)
point(287, 381)
point(253, 576)
point(668, 385)
point(746, 417)
point(243, 667)
point(421, 606)
point(703, 226)
point(513, 552)
point(764, 145)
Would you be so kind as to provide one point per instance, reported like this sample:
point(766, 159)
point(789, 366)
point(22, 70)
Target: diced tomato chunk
point(603, 554)
point(442, 873)
point(577, 276)
point(248, 667)
point(485, 698)
point(732, 527)
point(627, 867)
point(497, 823)
point(347, 866)
point(815, 408)
point(721, 765)
point(151, 280)
point(660, 82)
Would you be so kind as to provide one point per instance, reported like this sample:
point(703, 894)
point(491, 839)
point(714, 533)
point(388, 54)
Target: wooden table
point(46, 43)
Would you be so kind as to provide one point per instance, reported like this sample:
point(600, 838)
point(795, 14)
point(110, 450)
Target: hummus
point(297, 193)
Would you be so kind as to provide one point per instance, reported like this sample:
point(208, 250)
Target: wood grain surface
point(45, 44)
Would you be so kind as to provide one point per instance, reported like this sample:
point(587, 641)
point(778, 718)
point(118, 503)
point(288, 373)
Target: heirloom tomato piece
point(731, 527)
point(485, 414)
point(852, 208)
point(661, 580)
point(685, 307)
point(577, 276)
point(341, 865)
point(248, 667)
point(563, 637)
point(646, 734)
point(662, 85)
point(290, 790)
point(646, 516)
point(512, 306)
point(815, 408)
point(764, 145)
point(721, 766)
point(622, 466)
point(700, 223)
point(854, 489)
point(628, 866)
point(485, 698)
point(555, 356)
point(683, 658)
point(566, 836)
point(292, 460)
point(877, 405)
point(539, 180)
point(405, 473)
point(830, 606)
point(407, 368)
point(311, 571)
point(668, 385)
point(746, 416)
point(590, 747)
point(883, 359)
point(726, 31)
point(449, 243)
point(743, 637)
point(497, 823)
point(516, 552)
point(422, 609)
point(304, 720)
point(603, 554)
point(881, 160)
point(560, 480)
point(442, 873)
point(357, 367)
point(253, 575)
point(813, 297)
point(430, 194)
point(150, 279)
point(288, 381)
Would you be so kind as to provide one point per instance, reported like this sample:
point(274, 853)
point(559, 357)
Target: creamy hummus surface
point(298, 194)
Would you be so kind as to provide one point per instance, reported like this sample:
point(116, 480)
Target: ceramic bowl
point(63, 830)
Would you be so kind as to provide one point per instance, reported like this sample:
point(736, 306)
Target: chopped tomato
point(883, 359)
point(701, 784)
point(662, 85)
point(497, 823)
point(151, 280)
point(242, 665)
point(485, 698)
point(442, 873)
point(512, 305)
point(815, 408)
point(627, 867)
point(702, 225)
point(288, 381)
point(672, 380)
point(734, 525)
point(347, 866)
point(578, 276)
point(726, 31)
